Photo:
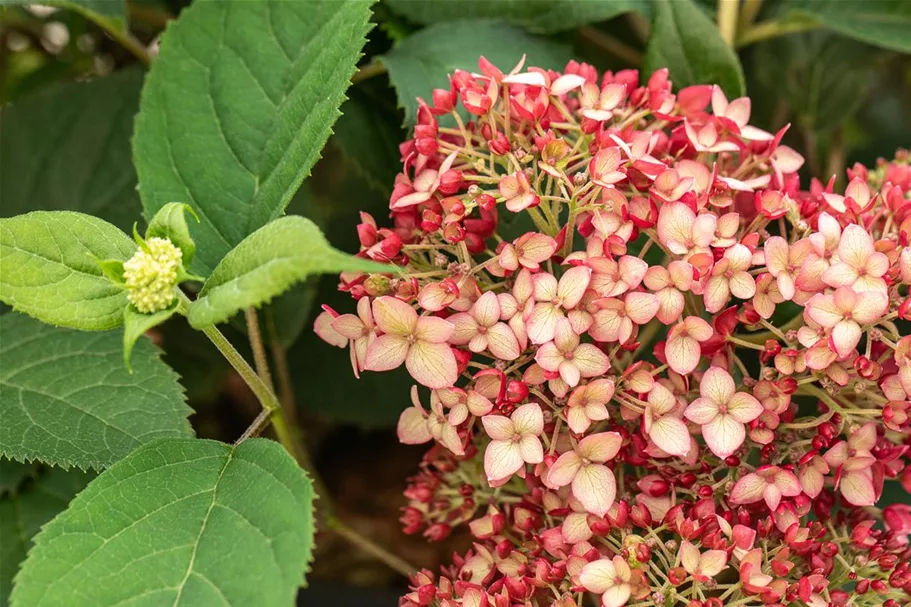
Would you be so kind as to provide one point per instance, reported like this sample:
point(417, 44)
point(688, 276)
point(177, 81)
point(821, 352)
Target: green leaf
point(25, 511)
point(685, 41)
point(266, 264)
point(49, 268)
point(135, 325)
point(66, 399)
point(422, 62)
point(884, 23)
point(540, 16)
point(109, 14)
point(68, 148)
point(179, 522)
point(171, 222)
point(237, 108)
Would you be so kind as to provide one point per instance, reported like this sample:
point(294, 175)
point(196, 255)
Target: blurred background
point(69, 92)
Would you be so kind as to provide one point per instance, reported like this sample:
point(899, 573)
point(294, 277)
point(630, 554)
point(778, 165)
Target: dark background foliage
point(839, 71)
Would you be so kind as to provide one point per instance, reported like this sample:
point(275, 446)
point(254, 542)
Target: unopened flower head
point(151, 275)
point(687, 371)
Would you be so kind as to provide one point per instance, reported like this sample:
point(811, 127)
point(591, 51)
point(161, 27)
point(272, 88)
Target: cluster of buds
point(151, 274)
point(659, 371)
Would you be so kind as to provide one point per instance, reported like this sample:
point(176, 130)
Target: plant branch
point(728, 11)
point(259, 351)
point(376, 551)
point(610, 44)
point(368, 71)
point(127, 41)
point(282, 373)
point(748, 12)
point(774, 28)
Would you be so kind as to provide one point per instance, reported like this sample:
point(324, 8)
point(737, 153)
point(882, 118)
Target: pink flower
point(616, 319)
point(515, 442)
point(767, 296)
point(322, 326)
point(683, 232)
point(612, 278)
point(812, 476)
point(482, 330)
point(768, 483)
point(528, 251)
point(702, 567)
point(784, 262)
point(706, 138)
point(360, 330)
point(853, 460)
point(592, 483)
point(669, 285)
point(604, 167)
point(425, 184)
point(553, 299)
point(857, 195)
point(844, 312)
point(682, 349)
point(573, 360)
point(598, 104)
point(416, 427)
point(722, 412)
point(736, 113)
point(858, 265)
point(610, 578)
point(516, 191)
point(419, 342)
point(730, 276)
point(587, 404)
point(662, 422)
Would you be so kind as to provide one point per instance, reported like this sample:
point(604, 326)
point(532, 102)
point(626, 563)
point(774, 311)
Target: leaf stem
point(368, 71)
point(728, 11)
point(773, 28)
point(378, 552)
point(259, 351)
point(129, 42)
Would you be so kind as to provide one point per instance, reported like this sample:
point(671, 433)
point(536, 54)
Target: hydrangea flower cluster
point(151, 274)
point(659, 371)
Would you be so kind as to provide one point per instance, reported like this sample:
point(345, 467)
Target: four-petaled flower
point(843, 313)
point(583, 468)
point(610, 578)
point(482, 330)
point(722, 412)
point(769, 483)
point(573, 360)
point(704, 566)
point(514, 442)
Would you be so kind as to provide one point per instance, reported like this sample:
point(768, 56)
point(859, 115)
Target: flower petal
point(394, 316)
point(502, 342)
point(744, 408)
point(572, 286)
point(386, 352)
point(432, 365)
point(598, 576)
point(412, 427)
point(531, 449)
point(502, 459)
point(600, 447)
point(595, 488)
point(433, 329)
point(671, 435)
point(486, 309)
point(498, 427)
point(564, 470)
point(857, 488)
point(322, 326)
point(723, 435)
point(702, 411)
point(845, 337)
point(590, 361)
point(748, 490)
point(682, 354)
point(717, 385)
point(542, 323)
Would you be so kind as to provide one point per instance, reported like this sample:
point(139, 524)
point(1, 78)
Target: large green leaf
point(685, 41)
point(237, 108)
point(25, 510)
point(179, 522)
point(68, 148)
point(884, 23)
point(421, 62)
point(66, 398)
point(49, 268)
point(109, 14)
point(542, 16)
point(267, 263)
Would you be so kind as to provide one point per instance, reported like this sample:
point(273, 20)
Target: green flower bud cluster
point(151, 275)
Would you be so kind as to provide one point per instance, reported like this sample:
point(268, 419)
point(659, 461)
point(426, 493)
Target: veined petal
point(689, 556)
point(531, 449)
point(542, 323)
point(433, 329)
point(486, 309)
point(598, 576)
point(590, 361)
point(322, 326)
point(671, 435)
point(502, 459)
point(528, 419)
point(776, 255)
point(502, 342)
point(600, 447)
point(857, 488)
point(702, 411)
point(394, 316)
point(675, 225)
point(464, 328)
point(616, 596)
point(386, 352)
point(870, 306)
point(569, 372)
point(744, 408)
point(572, 285)
point(544, 287)
point(717, 293)
point(498, 427)
point(549, 357)
point(682, 354)
point(822, 310)
point(845, 337)
point(349, 325)
point(564, 470)
point(432, 365)
point(717, 385)
point(748, 490)
point(595, 488)
point(855, 246)
point(742, 285)
point(641, 307)
point(712, 562)
point(412, 427)
point(723, 435)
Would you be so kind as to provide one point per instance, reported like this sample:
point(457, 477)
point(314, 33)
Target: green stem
point(259, 351)
point(396, 563)
point(368, 71)
point(774, 28)
point(610, 44)
point(728, 10)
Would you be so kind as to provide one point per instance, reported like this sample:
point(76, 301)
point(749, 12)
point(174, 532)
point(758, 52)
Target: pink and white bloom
point(853, 459)
point(416, 427)
point(592, 482)
point(769, 483)
point(683, 232)
point(662, 422)
point(669, 285)
point(528, 251)
point(858, 265)
point(598, 104)
point(612, 278)
point(730, 276)
point(610, 578)
point(704, 566)
point(588, 404)
point(360, 330)
point(516, 191)
point(706, 138)
point(682, 349)
point(785, 261)
point(737, 113)
point(482, 329)
point(419, 342)
point(554, 299)
point(425, 184)
point(722, 412)
point(843, 313)
point(616, 319)
point(515, 442)
point(573, 360)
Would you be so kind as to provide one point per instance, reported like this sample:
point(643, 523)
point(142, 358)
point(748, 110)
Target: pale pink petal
point(748, 489)
point(641, 307)
point(502, 459)
point(857, 488)
point(600, 447)
point(870, 307)
point(682, 354)
point(449, 438)
point(322, 326)
point(569, 372)
point(717, 385)
point(671, 435)
point(776, 255)
point(572, 286)
point(386, 352)
point(542, 323)
point(348, 325)
point(671, 303)
point(689, 556)
point(787, 483)
point(702, 411)
point(577, 419)
point(697, 328)
point(545, 286)
point(616, 596)
point(840, 275)
point(855, 246)
point(433, 329)
point(502, 342)
point(590, 361)
point(723, 435)
point(538, 248)
point(713, 562)
point(549, 357)
point(675, 224)
point(498, 427)
point(464, 328)
point(742, 285)
point(432, 365)
point(412, 427)
point(565, 338)
point(531, 449)
point(845, 337)
point(394, 316)
point(595, 488)
point(598, 576)
point(811, 481)
point(772, 496)
point(487, 309)
point(744, 408)
point(528, 419)
point(717, 293)
point(564, 470)
point(822, 310)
